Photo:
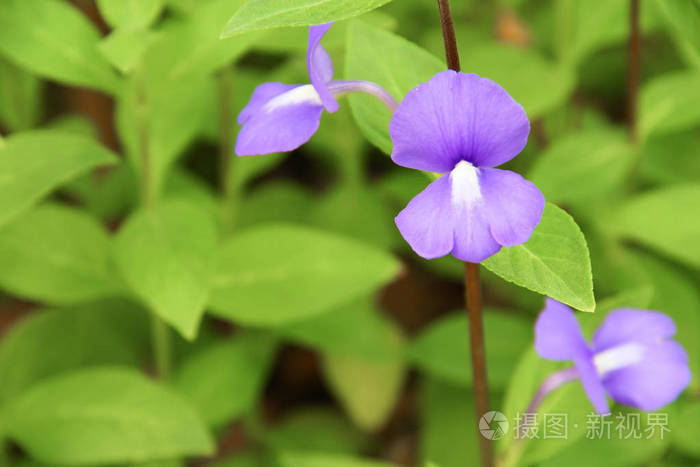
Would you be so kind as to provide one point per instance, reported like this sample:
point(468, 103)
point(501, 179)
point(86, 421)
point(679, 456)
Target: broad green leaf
point(105, 415)
point(313, 459)
point(224, 380)
point(539, 85)
point(368, 389)
point(166, 256)
point(554, 262)
point(34, 163)
point(670, 102)
point(108, 195)
point(683, 19)
point(56, 254)
point(686, 429)
point(381, 57)
point(442, 350)
point(21, 96)
point(357, 211)
point(161, 118)
point(276, 274)
point(583, 165)
point(130, 14)
point(671, 158)
point(191, 46)
point(666, 219)
point(265, 14)
point(47, 343)
point(328, 332)
point(124, 48)
point(54, 40)
point(274, 202)
point(314, 429)
point(449, 424)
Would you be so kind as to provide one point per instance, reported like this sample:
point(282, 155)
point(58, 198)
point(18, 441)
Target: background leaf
point(105, 415)
point(669, 103)
point(130, 14)
point(36, 162)
point(166, 256)
point(56, 41)
point(311, 272)
point(264, 14)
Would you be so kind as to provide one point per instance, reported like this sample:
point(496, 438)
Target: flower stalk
point(472, 282)
point(633, 60)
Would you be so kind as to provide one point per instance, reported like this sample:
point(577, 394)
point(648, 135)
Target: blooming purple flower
point(281, 117)
point(632, 356)
point(462, 125)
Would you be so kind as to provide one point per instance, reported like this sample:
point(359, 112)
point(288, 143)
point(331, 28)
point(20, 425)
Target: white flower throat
point(465, 184)
point(618, 357)
point(305, 94)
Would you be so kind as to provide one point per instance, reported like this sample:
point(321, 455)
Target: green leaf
point(683, 19)
point(299, 459)
point(224, 380)
point(21, 96)
point(34, 163)
point(124, 48)
point(583, 165)
point(314, 429)
point(669, 103)
point(47, 343)
point(328, 332)
point(105, 415)
point(442, 349)
point(276, 274)
point(130, 14)
point(56, 41)
point(166, 256)
point(666, 219)
point(672, 158)
point(368, 389)
point(191, 46)
point(278, 201)
point(56, 254)
point(686, 430)
point(381, 57)
point(449, 422)
point(539, 85)
point(554, 262)
point(265, 14)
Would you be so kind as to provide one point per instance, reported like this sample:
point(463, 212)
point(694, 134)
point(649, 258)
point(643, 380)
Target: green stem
point(562, 30)
point(162, 350)
point(160, 333)
point(226, 123)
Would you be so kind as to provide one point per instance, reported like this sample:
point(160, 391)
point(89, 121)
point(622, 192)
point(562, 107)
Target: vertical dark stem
point(472, 292)
point(448, 35)
point(633, 48)
point(472, 283)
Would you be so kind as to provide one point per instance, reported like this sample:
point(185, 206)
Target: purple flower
point(632, 356)
point(461, 125)
point(281, 117)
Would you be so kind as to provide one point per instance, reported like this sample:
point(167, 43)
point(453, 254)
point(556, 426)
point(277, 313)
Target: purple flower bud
point(461, 125)
point(632, 356)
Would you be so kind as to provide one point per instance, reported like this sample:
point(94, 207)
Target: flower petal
point(592, 384)
point(655, 381)
point(282, 124)
point(320, 66)
point(426, 223)
point(457, 116)
point(558, 335)
point(514, 205)
point(261, 96)
point(473, 241)
point(632, 325)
